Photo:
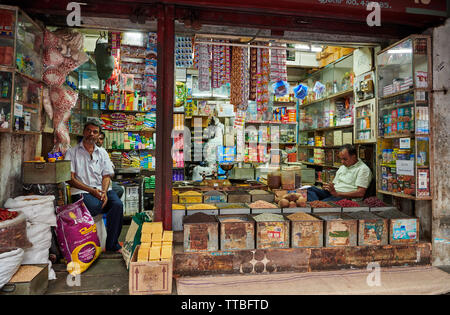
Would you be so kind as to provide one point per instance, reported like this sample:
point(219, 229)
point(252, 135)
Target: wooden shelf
point(331, 97)
point(327, 128)
point(319, 147)
point(28, 77)
point(396, 94)
point(29, 105)
point(270, 122)
point(316, 164)
point(127, 111)
point(127, 130)
point(395, 106)
point(401, 195)
point(284, 104)
point(4, 68)
point(130, 150)
point(5, 100)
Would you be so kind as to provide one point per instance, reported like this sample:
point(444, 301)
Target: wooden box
point(306, 230)
point(150, 277)
point(272, 234)
point(403, 229)
point(237, 232)
point(46, 173)
point(200, 236)
point(239, 197)
point(36, 286)
point(372, 229)
point(340, 229)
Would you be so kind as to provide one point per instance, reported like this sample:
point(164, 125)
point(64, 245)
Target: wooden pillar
point(164, 115)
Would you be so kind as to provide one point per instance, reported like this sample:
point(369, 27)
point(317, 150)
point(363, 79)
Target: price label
point(405, 143)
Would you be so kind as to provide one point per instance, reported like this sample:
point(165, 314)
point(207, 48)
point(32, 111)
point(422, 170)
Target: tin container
point(237, 208)
point(340, 229)
point(306, 230)
point(214, 196)
point(190, 197)
point(239, 197)
point(272, 234)
point(36, 286)
point(361, 207)
point(201, 233)
point(177, 218)
point(296, 209)
point(236, 232)
point(403, 229)
point(46, 172)
point(267, 196)
point(372, 229)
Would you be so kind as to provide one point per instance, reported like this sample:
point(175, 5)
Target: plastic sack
point(77, 236)
point(13, 233)
point(37, 209)
point(301, 91)
point(104, 61)
point(10, 262)
point(280, 88)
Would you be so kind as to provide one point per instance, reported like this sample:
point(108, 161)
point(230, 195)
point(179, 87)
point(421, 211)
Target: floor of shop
point(109, 276)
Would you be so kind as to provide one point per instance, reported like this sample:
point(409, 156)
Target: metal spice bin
point(237, 235)
point(46, 173)
point(269, 197)
point(36, 286)
point(240, 208)
point(239, 197)
point(265, 210)
point(340, 229)
point(403, 229)
point(190, 197)
point(306, 232)
point(372, 229)
point(177, 218)
point(200, 236)
point(362, 207)
point(272, 234)
point(296, 209)
point(214, 196)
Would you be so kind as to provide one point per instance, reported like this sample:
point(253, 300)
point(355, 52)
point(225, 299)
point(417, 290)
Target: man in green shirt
point(351, 181)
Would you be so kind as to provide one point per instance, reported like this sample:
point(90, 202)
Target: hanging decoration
point(239, 89)
point(301, 91)
point(278, 70)
point(62, 54)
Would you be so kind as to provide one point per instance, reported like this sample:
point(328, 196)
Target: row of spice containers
point(216, 196)
point(204, 232)
point(262, 206)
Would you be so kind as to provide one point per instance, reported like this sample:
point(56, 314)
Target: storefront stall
point(218, 119)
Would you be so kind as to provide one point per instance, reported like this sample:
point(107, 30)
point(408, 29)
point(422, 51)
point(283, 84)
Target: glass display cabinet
point(404, 110)
point(21, 49)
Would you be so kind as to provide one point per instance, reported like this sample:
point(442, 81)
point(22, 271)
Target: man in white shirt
point(91, 170)
point(351, 181)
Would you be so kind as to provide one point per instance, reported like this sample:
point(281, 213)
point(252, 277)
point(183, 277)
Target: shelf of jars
point(404, 152)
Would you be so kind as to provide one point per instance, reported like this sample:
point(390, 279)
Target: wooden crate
point(201, 236)
point(340, 229)
point(272, 234)
point(306, 231)
point(236, 235)
point(150, 277)
point(372, 229)
point(46, 173)
point(403, 229)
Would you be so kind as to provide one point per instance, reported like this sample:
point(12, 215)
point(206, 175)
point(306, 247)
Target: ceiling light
point(316, 48)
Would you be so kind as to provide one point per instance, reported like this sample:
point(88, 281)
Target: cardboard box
point(151, 277)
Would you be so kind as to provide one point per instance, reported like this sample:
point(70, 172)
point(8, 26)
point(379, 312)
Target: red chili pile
point(7, 215)
point(374, 202)
point(319, 204)
point(345, 203)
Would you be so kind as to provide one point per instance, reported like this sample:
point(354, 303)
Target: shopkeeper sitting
point(351, 181)
point(91, 170)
